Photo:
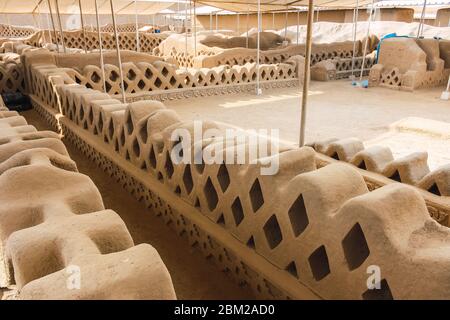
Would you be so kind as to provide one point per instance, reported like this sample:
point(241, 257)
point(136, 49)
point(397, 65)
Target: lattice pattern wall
point(408, 64)
point(53, 218)
point(9, 31)
point(11, 73)
point(164, 76)
point(212, 57)
point(127, 40)
point(322, 228)
point(412, 169)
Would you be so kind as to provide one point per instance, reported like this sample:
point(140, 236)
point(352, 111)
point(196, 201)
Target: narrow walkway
point(193, 276)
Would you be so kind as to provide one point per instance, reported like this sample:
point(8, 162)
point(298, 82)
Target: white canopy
point(144, 7)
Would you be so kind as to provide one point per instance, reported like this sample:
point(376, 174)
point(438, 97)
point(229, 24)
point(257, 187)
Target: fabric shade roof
point(144, 7)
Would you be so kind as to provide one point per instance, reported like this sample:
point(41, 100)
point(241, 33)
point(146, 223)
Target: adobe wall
point(301, 233)
point(54, 226)
point(229, 22)
point(408, 64)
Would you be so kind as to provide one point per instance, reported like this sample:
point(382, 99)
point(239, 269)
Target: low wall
point(57, 239)
point(301, 233)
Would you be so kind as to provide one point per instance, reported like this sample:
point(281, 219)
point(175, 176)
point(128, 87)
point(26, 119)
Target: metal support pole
point(238, 23)
point(185, 35)
point(273, 20)
point(53, 25)
point(258, 89)
point(365, 44)
point(60, 26)
point(246, 39)
point(138, 42)
point(422, 17)
point(286, 24)
point(307, 71)
point(119, 59)
point(100, 41)
point(210, 21)
point(298, 24)
point(355, 28)
point(82, 26)
point(195, 31)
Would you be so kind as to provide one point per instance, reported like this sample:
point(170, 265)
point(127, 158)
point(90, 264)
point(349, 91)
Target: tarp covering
point(72, 6)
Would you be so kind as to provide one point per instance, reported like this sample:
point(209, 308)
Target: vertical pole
point(185, 34)
point(298, 24)
point(307, 71)
point(119, 59)
point(422, 17)
point(53, 25)
point(195, 31)
point(365, 44)
point(82, 26)
point(246, 40)
point(258, 89)
point(273, 20)
point(355, 29)
point(138, 42)
point(217, 21)
point(100, 41)
point(286, 23)
point(238, 23)
point(60, 26)
point(210, 21)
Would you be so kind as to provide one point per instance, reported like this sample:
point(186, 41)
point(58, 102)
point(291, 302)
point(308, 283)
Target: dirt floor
point(335, 110)
point(193, 276)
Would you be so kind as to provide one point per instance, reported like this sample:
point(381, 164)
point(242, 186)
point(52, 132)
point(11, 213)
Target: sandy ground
point(193, 276)
point(335, 110)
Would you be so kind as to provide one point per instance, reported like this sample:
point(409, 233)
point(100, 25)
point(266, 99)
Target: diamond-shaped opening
point(210, 195)
point(129, 124)
point(141, 84)
point(298, 216)
point(148, 73)
point(158, 82)
point(169, 165)
point(187, 179)
point(172, 81)
point(144, 166)
point(238, 212)
point(223, 177)
point(152, 158)
point(273, 232)
point(335, 156)
point(256, 196)
point(136, 148)
point(355, 247)
point(251, 243)
point(95, 77)
point(434, 189)
point(143, 134)
point(164, 71)
point(131, 74)
point(122, 137)
point(396, 176)
point(384, 293)
point(292, 269)
point(178, 190)
point(113, 76)
point(362, 165)
point(197, 203)
point(221, 220)
point(318, 261)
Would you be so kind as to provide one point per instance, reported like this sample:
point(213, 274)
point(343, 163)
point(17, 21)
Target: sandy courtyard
point(337, 110)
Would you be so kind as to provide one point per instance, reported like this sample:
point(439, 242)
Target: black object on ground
point(16, 101)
